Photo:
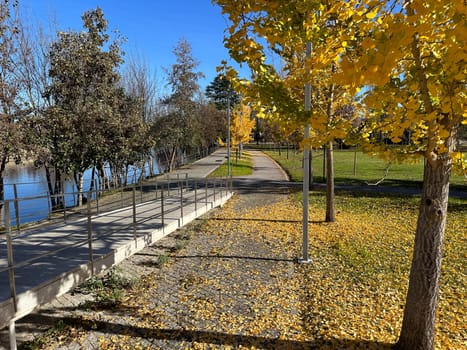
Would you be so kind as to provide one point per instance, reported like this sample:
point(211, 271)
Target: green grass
point(242, 167)
point(162, 260)
point(368, 169)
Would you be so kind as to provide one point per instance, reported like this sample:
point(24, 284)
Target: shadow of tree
point(211, 337)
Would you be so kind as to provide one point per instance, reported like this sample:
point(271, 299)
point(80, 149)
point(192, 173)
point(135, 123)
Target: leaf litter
point(237, 285)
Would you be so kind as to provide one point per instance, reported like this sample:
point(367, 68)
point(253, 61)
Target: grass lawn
point(368, 169)
point(242, 167)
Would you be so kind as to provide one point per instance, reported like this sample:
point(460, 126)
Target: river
point(31, 188)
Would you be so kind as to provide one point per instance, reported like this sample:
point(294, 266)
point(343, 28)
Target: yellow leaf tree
point(409, 56)
point(413, 62)
point(241, 127)
point(276, 91)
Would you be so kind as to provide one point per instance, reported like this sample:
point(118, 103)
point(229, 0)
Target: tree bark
point(417, 331)
point(330, 212)
point(59, 189)
point(79, 187)
point(53, 198)
point(3, 163)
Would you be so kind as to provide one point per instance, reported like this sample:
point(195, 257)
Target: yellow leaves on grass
point(356, 287)
point(238, 287)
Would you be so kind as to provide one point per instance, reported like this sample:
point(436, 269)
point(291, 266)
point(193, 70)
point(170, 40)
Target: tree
point(178, 131)
point(84, 84)
point(414, 60)
point(213, 125)
point(183, 79)
point(241, 127)
point(410, 56)
point(275, 91)
point(34, 67)
point(11, 103)
point(221, 92)
point(141, 83)
point(127, 140)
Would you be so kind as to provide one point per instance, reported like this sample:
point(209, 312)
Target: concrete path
point(50, 260)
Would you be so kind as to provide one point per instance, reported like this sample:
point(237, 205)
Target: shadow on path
point(156, 335)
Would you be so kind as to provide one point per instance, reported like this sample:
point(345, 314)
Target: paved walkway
point(50, 260)
point(267, 179)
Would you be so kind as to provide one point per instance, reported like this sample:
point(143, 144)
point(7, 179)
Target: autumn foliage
point(404, 63)
point(241, 126)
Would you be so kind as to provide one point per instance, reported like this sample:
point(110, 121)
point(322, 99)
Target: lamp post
point(228, 136)
point(306, 169)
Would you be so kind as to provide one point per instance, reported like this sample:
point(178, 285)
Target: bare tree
point(11, 102)
point(141, 83)
point(34, 56)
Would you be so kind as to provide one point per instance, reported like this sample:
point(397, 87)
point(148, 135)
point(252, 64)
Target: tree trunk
point(102, 178)
point(79, 186)
point(172, 159)
point(3, 163)
point(53, 197)
point(125, 175)
point(93, 175)
point(417, 331)
point(355, 161)
point(59, 189)
point(151, 166)
point(330, 212)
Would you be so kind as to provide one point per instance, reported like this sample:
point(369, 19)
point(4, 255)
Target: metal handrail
point(84, 241)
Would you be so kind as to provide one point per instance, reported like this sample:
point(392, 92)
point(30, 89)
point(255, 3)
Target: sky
point(152, 28)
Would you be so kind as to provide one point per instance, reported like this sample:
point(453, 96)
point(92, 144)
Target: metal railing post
point(64, 202)
point(16, 203)
point(11, 265)
point(214, 188)
point(141, 188)
point(97, 195)
point(121, 195)
point(134, 211)
point(196, 197)
point(12, 334)
point(220, 187)
point(180, 184)
point(168, 185)
point(156, 188)
point(162, 210)
point(91, 256)
point(206, 192)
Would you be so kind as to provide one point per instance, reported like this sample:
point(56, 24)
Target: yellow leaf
point(372, 14)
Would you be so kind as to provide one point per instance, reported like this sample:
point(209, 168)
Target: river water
point(31, 188)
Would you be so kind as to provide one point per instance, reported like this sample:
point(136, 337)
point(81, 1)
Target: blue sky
point(152, 27)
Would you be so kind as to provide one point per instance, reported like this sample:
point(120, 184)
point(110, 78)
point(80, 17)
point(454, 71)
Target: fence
point(148, 206)
point(21, 182)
